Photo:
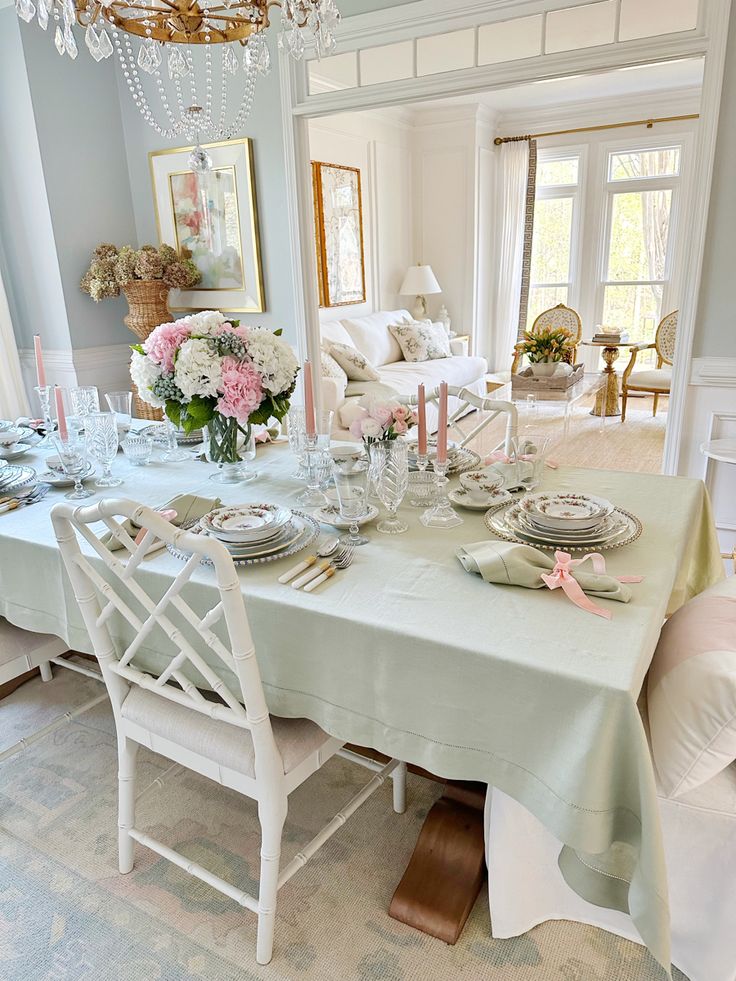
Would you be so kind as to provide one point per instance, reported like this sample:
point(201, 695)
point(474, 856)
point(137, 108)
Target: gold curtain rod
point(594, 129)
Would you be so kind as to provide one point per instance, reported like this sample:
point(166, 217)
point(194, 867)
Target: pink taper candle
point(40, 370)
point(442, 426)
point(422, 419)
point(309, 400)
point(60, 414)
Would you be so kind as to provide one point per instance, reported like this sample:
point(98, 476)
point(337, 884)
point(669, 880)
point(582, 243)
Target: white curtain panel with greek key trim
point(513, 174)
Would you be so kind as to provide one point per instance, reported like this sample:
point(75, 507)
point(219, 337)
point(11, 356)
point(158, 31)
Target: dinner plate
point(157, 432)
point(565, 510)
point(309, 531)
point(463, 499)
point(14, 476)
point(613, 525)
point(284, 537)
point(496, 520)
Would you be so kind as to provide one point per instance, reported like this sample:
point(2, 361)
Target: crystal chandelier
point(171, 52)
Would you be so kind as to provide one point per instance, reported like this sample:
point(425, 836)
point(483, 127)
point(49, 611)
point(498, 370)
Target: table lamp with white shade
point(419, 281)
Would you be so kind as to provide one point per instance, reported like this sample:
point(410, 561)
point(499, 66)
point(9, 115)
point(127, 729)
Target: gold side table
point(606, 401)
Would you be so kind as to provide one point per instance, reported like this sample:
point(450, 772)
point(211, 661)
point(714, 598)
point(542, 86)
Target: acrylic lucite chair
point(559, 316)
point(652, 381)
point(228, 735)
point(22, 651)
point(493, 408)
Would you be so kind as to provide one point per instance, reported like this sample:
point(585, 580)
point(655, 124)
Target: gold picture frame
point(216, 219)
point(338, 227)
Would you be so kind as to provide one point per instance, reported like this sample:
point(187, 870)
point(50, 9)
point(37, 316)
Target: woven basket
point(148, 303)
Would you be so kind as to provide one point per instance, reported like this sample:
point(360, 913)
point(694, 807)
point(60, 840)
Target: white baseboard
point(106, 367)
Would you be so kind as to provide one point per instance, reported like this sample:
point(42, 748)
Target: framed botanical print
point(338, 217)
point(215, 217)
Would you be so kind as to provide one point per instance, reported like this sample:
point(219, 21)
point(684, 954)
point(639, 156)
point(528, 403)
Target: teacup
point(479, 484)
point(8, 437)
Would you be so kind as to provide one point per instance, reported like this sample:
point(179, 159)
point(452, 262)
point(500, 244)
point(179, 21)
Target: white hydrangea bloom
point(144, 373)
point(274, 359)
point(197, 370)
point(205, 322)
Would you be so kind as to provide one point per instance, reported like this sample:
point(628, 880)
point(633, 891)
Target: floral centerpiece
point(111, 269)
point(547, 345)
point(213, 373)
point(382, 420)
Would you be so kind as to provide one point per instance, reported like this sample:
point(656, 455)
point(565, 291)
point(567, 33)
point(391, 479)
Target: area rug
point(66, 913)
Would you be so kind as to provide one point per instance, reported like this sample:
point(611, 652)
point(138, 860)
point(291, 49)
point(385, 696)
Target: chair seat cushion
point(226, 744)
point(692, 692)
point(651, 378)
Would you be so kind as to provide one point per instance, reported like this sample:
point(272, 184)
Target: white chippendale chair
point(231, 737)
point(493, 407)
point(652, 381)
point(559, 316)
point(22, 651)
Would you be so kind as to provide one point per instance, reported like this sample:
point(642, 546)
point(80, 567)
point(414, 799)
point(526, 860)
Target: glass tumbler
point(528, 454)
point(84, 399)
point(121, 404)
point(352, 496)
point(102, 444)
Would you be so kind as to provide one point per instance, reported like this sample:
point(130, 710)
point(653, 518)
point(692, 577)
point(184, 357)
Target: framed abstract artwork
point(338, 218)
point(215, 217)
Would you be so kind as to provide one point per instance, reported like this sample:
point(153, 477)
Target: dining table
point(408, 653)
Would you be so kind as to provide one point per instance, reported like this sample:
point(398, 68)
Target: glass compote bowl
point(73, 459)
point(102, 444)
point(391, 469)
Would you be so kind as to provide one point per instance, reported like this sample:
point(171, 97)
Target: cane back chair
point(652, 381)
point(559, 316)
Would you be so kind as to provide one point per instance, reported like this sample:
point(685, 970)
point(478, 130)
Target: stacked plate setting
point(258, 532)
point(565, 519)
point(459, 458)
point(16, 480)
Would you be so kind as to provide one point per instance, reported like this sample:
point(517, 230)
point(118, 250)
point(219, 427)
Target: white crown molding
point(675, 102)
point(444, 114)
point(713, 372)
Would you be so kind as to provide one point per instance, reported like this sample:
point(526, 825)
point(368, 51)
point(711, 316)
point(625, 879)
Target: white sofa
point(372, 337)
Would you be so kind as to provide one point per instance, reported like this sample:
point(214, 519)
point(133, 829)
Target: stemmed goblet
point(352, 496)
point(391, 469)
point(102, 444)
point(73, 459)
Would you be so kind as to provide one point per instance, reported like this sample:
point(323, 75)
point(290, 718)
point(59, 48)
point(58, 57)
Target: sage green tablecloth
point(408, 653)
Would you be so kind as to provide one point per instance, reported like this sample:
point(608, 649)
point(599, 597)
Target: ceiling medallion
point(174, 54)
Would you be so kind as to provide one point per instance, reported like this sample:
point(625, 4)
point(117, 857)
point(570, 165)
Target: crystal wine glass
point(73, 459)
point(102, 444)
point(352, 495)
point(392, 479)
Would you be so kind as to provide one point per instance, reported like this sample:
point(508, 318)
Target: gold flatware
point(342, 562)
point(326, 549)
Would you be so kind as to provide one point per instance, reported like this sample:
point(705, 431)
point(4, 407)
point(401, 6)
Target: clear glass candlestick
point(422, 462)
point(441, 514)
point(317, 463)
point(44, 398)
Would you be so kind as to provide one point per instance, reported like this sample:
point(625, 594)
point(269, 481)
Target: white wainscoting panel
point(510, 40)
point(581, 27)
point(445, 52)
point(106, 367)
point(645, 19)
point(387, 63)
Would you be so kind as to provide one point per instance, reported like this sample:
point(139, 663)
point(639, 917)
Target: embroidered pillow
point(355, 365)
point(330, 367)
point(692, 691)
point(422, 341)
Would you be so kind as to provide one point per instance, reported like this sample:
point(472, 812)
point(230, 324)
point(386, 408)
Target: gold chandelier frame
point(182, 21)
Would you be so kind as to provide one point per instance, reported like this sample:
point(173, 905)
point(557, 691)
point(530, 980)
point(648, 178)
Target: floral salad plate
point(246, 523)
point(565, 511)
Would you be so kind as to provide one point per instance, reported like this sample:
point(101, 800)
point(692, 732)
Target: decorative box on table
point(525, 382)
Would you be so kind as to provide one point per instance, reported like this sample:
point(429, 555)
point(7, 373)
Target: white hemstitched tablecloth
point(410, 654)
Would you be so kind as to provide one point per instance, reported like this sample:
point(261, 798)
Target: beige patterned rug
point(65, 913)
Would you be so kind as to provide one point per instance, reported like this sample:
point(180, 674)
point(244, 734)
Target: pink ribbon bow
point(562, 578)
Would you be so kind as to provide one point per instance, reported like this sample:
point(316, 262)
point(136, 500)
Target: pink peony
point(400, 427)
point(242, 392)
point(400, 413)
point(162, 344)
point(382, 415)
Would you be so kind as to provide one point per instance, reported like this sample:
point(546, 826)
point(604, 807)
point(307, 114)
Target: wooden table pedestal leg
point(606, 401)
point(447, 869)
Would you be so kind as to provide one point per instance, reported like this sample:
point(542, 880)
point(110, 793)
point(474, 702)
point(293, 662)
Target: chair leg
point(127, 753)
point(399, 788)
point(272, 823)
point(624, 397)
point(45, 669)
point(655, 403)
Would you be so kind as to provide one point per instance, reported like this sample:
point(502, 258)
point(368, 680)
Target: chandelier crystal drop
point(165, 50)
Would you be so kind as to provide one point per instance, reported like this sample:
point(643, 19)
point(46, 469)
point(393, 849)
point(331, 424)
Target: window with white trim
point(556, 222)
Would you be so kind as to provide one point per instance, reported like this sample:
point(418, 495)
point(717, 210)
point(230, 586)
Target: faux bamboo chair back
point(493, 407)
point(112, 586)
point(664, 339)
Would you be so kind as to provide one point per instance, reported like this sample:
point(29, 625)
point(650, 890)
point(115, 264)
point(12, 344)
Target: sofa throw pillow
point(330, 367)
point(422, 341)
point(692, 691)
point(355, 365)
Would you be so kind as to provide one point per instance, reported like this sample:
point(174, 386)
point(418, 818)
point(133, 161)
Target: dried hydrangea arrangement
point(111, 268)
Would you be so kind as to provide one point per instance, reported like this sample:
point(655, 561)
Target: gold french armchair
point(652, 381)
point(559, 316)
